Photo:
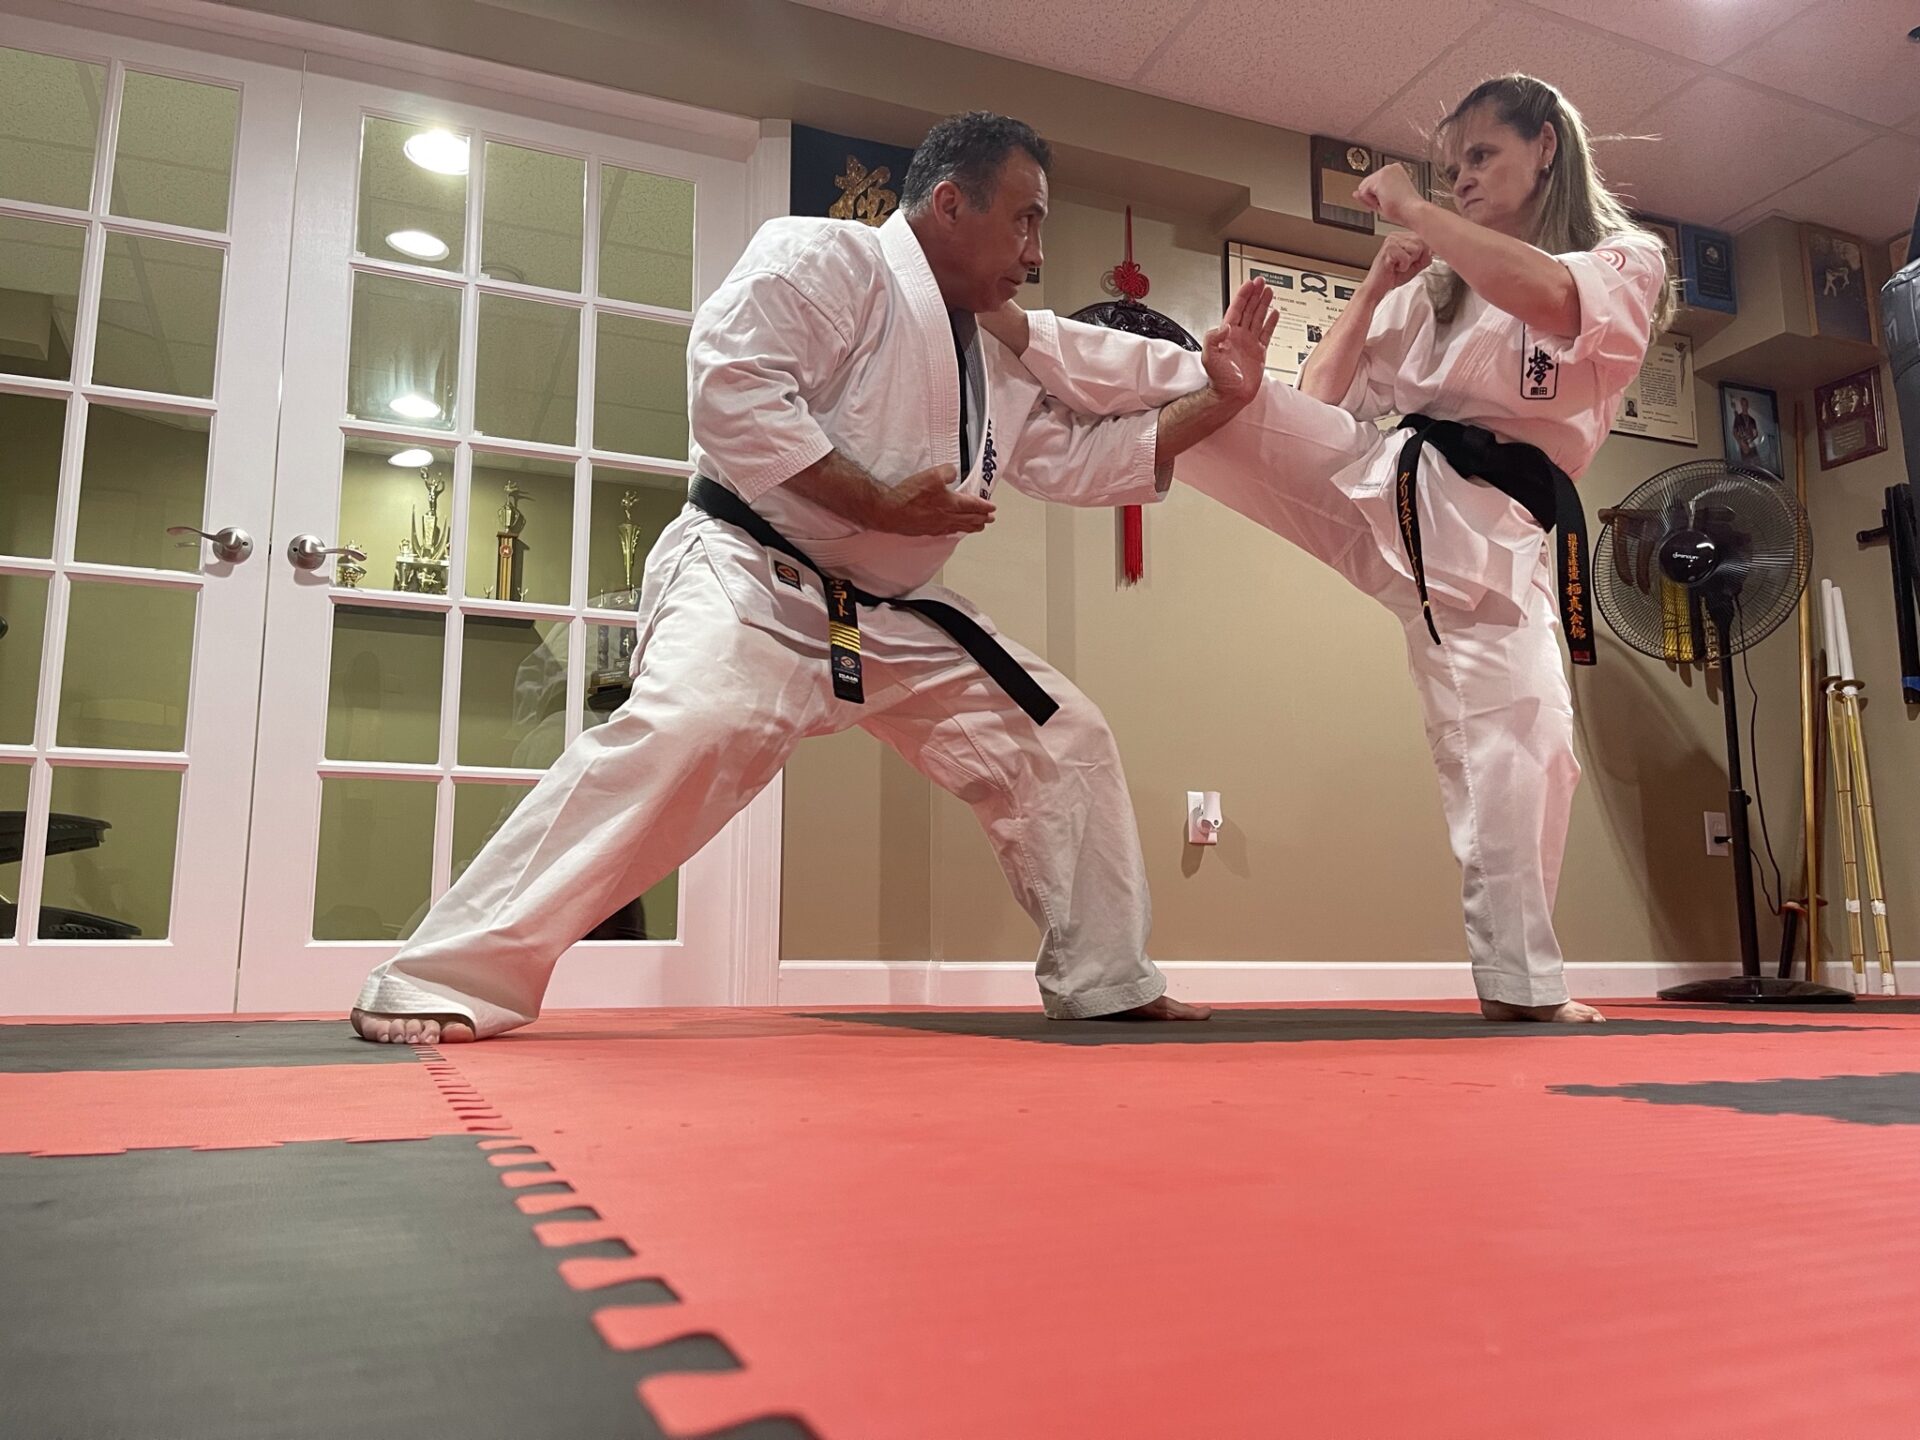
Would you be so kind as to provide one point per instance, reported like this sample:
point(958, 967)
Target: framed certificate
point(1338, 167)
point(1308, 296)
point(1850, 419)
point(1659, 404)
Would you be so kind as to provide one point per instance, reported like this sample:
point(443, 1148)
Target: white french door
point(145, 202)
point(483, 429)
point(323, 315)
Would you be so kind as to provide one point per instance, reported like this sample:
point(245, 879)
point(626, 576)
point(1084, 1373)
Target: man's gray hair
point(969, 150)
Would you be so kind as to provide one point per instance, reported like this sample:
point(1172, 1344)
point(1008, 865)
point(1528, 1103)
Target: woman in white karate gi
point(1524, 310)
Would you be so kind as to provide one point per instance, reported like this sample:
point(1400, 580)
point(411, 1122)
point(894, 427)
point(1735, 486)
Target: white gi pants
point(730, 675)
point(1497, 704)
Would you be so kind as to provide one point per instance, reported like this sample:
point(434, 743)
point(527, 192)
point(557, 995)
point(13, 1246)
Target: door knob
point(230, 545)
point(309, 552)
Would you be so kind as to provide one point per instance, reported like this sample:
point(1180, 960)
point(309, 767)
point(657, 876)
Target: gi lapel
point(927, 313)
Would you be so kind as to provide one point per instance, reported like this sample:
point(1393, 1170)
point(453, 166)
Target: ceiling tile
point(1728, 147)
point(1869, 193)
point(1851, 55)
point(1705, 30)
point(1096, 38)
point(1723, 146)
point(1319, 66)
point(1611, 81)
point(864, 9)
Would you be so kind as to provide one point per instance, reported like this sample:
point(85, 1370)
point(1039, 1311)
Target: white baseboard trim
point(1906, 974)
point(1010, 982)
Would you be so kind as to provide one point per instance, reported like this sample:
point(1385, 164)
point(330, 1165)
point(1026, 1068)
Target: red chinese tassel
point(1128, 280)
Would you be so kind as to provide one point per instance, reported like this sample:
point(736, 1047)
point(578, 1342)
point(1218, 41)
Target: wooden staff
point(1850, 688)
point(1843, 791)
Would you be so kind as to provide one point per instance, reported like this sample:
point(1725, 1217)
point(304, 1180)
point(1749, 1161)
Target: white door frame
point(375, 59)
point(192, 968)
point(749, 849)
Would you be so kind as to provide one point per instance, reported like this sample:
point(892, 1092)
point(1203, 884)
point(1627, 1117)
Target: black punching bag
point(1900, 307)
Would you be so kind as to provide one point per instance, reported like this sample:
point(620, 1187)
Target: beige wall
point(1334, 845)
point(1242, 665)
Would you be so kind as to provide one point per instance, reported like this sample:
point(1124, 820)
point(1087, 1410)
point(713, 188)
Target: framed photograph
point(1308, 296)
point(1706, 270)
point(1668, 233)
point(1840, 303)
point(1750, 428)
point(1339, 166)
point(1659, 405)
point(1850, 419)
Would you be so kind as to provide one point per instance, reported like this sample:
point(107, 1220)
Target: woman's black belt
point(1522, 472)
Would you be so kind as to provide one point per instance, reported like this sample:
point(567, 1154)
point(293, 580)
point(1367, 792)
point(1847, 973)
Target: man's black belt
point(1522, 472)
point(843, 613)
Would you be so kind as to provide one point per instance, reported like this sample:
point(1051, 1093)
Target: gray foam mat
point(1857, 1099)
point(309, 1292)
point(1241, 1027)
point(1863, 1008)
point(190, 1045)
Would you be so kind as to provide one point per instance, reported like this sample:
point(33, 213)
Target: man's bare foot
point(1165, 1008)
point(412, 1029)
point(1570, 1012)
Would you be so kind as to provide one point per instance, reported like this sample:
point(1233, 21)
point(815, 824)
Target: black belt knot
point(843, 620)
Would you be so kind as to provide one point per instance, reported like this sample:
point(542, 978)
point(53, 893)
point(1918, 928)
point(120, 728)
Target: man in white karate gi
point(850, 424)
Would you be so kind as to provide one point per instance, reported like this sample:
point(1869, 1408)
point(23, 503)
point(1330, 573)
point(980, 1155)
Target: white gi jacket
point(830, 334)
point(1559, 393)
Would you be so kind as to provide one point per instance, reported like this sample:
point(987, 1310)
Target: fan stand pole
point(1810, 787)
point(1737, 802)
point(1749, 987)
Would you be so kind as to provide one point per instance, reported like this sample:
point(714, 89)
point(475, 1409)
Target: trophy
point(509, 549)
point(347, 571)
point(629, 538)
point(608, 685)
point(421, 566)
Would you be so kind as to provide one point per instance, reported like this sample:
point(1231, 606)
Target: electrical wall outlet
point(1717, 837)
point(1203, 817)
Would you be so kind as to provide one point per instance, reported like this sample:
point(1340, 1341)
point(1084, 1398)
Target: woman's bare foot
point(1165, 1008)
point(412, 1029)
point(1569, 1012)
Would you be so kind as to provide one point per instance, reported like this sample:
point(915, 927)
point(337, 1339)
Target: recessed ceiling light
point(413, 407)
point(411, 459)
point(419, 244)
point(440, 151)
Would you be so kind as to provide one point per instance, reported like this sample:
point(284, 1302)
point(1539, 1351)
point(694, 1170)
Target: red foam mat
point(105, 1112)
point(920, 1235)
